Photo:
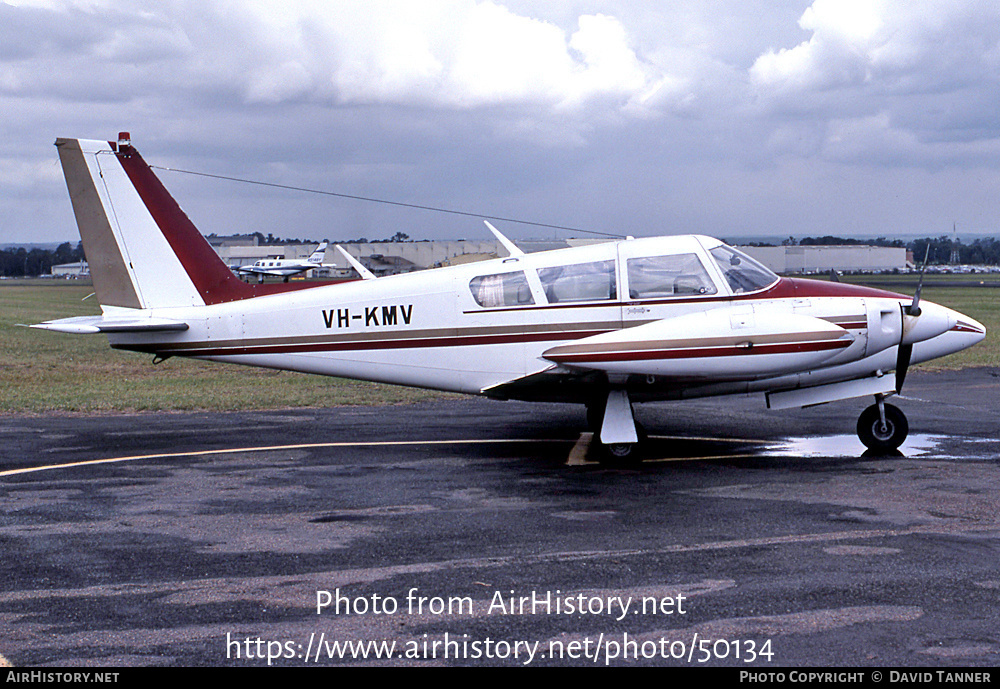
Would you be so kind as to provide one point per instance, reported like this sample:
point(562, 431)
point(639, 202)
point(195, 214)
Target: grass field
point(42, 371)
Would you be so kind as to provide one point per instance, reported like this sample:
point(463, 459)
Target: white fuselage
point(485, 327)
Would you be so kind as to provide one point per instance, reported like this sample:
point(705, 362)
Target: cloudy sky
point(731, 118)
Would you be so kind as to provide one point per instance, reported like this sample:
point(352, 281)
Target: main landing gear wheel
point(882, 437)
point(621, 452)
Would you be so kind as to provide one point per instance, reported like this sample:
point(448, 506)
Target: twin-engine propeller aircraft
point(661, 318)
point(285, 267)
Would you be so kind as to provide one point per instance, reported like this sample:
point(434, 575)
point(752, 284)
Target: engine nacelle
point(734, 343)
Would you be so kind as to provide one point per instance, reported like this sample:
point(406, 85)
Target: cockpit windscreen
point(742, 272)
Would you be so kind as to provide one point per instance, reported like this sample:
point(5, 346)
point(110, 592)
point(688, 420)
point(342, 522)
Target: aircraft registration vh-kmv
point(606, 325)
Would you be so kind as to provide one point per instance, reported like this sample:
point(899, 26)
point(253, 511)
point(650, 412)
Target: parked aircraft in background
point(285, 267)
point(605, 325)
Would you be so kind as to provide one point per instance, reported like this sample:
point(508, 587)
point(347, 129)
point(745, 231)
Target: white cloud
point(480, 54)
point(622, 111)
point(891, 44)
point(439, 53)
point(845, 33)
point(20, 175)
point(890, 80)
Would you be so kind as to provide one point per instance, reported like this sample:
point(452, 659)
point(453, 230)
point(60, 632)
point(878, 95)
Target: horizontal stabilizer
point(83, 325)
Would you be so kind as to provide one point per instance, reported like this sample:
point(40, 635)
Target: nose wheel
point(882, 427)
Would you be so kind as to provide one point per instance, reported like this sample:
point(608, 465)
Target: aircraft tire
point(621, 454)
point(625, 454)
point(870, 428)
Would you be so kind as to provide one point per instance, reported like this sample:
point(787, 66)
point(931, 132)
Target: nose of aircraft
point(972, 328)
point(941, 330)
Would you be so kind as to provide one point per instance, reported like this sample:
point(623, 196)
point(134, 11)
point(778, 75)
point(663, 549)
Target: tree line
point(22, 262)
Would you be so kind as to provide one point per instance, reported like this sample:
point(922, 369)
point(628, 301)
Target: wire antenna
point(387, 202)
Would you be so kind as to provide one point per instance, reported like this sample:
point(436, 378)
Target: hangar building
point(384, 258)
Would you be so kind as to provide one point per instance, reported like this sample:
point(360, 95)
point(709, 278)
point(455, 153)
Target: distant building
point(386, 258)
point(232, 240)
point(78, 269)
point(824, 258)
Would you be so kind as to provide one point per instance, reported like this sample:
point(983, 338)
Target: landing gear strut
point(614, 426)
point(882, 427)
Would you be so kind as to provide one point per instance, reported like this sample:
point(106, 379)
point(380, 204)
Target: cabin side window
point(505, 289)
point(677, 275)
point(580, 282)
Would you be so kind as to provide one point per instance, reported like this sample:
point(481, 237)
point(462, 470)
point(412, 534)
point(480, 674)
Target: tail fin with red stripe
point(143, 250)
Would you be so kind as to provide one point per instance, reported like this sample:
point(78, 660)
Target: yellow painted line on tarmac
point(272, 448)
point(577, 456)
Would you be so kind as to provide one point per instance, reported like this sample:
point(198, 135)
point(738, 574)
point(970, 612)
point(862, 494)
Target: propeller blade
point(902, 363)
point(914, 308)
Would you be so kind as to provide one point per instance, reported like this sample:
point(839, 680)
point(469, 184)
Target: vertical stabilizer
point(143, 251)
point(318, 255)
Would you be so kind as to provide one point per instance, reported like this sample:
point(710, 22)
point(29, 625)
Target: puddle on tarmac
point(847, 446)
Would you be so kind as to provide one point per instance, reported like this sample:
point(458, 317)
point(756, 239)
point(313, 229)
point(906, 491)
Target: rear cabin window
point(677, 275)
point(505, 289)
point(580, 282)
